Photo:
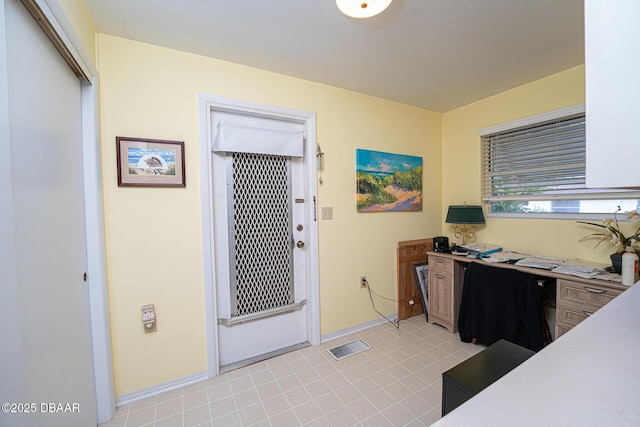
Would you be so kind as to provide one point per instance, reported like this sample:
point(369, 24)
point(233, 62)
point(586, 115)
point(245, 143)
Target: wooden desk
point(576, 298)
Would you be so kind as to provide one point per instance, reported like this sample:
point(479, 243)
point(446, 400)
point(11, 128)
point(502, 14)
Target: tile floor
point(395, 383)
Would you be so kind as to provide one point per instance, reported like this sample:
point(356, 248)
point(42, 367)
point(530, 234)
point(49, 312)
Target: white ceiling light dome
point(362, 8)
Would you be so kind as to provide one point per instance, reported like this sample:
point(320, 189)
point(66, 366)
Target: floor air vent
point(348, 349)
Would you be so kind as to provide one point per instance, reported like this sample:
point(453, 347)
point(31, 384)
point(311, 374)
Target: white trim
point(67, 34)
point(527, 121)
point(145, 393)
point(358, 328)
point(96, 256)
point(206, 104)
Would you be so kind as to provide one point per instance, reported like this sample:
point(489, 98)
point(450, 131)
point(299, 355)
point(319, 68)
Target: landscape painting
point(388, 182)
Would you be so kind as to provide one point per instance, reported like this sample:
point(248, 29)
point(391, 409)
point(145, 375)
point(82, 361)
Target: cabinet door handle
point(594, 291)
point(440, 276)
point(588, 313)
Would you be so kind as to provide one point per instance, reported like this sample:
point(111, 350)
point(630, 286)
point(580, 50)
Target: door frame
point(56, 25)
point(208, 103)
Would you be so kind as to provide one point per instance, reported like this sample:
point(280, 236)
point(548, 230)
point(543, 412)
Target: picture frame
point(421, 275)
point(144, 162)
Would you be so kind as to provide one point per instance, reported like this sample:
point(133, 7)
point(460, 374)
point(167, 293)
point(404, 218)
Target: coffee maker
point(441, 244)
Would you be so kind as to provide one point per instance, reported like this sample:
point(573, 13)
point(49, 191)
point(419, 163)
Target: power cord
point(395, 323)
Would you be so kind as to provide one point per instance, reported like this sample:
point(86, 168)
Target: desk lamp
point(464, 214)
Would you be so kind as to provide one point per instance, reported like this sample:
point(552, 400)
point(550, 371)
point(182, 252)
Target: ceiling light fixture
point(362, 8)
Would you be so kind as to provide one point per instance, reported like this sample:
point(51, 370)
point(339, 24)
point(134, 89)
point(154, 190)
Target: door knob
point(300, 244)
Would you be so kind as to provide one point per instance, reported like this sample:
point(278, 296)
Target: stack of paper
point(508, 256)
point(581, 268)
point(543, 262)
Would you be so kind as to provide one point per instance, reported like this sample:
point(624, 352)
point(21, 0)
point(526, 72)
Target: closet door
point(45, 138)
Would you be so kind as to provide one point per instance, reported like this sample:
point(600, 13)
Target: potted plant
point(611, 231)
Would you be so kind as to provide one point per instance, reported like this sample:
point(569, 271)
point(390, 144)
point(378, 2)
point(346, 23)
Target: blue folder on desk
point(481, 250)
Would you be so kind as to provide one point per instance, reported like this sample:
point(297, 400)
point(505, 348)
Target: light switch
point(327, 212)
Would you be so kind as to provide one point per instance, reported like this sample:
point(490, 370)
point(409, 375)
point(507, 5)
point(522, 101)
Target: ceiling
point(433, 54)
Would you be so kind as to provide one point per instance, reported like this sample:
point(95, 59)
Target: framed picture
point(388, 182)
point(421, 274)
point(150, 162)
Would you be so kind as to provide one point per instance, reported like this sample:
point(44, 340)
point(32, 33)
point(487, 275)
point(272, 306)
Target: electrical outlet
point(149, 318)
point(363, 282)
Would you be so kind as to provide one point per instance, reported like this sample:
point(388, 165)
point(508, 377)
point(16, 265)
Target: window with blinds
point(539, 167)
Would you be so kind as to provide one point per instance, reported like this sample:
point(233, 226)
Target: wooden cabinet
point(410, 252)
point(575, 301)
point(445, 291)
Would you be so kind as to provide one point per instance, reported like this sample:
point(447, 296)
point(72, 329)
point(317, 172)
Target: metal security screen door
point(259, 237)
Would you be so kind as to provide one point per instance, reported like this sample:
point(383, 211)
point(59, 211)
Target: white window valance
point(248, 138)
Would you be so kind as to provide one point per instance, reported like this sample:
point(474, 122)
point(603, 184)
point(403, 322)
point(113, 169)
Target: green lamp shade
point(465, 214)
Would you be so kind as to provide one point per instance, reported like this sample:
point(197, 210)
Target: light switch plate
point(327, 212)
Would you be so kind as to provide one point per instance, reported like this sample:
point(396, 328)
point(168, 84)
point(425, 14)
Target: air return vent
point(348, 349)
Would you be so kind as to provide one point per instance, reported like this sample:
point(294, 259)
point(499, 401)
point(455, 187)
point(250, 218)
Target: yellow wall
point(461, 167)
point(81, 20)
point(154, 234)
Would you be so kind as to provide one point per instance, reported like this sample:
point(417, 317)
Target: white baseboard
point(361, 327)
point(128, 398)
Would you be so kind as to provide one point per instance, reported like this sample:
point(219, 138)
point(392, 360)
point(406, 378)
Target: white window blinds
point(541, 161)
point(249, 138)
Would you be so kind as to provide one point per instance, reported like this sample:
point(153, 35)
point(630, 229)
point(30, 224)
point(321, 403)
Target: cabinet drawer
point(440, 264)
point(571, 315)
point(580, 293)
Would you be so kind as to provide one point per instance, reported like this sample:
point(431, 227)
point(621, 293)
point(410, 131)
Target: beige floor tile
point(173, 421)
point(275, 405)
point(219, 391)
point(328, 403)
point(396, 382)
point(196, 416)
point(285, 419)
point(307, 412)
point(317, 388)
point(193, 400)
point(377, 420)
point(362, 408)
point(297, 396)
point(262, 377)
point(398, 415)
point(246, 398)
point(348, 394)
point(168, 408)
point(342, 418)
point(252, 414)
point(223, 406)
point(141, 417)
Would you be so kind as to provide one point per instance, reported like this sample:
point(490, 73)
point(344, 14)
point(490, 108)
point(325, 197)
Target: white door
point(259, 246)
point(45, 138)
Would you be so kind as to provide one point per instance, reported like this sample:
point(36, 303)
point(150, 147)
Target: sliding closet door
point(45, 138)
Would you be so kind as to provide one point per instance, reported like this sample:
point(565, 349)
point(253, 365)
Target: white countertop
point(588, 377)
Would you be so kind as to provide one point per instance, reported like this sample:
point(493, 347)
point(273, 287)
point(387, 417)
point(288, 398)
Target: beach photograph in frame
point(388, 182)
point(150, 162)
